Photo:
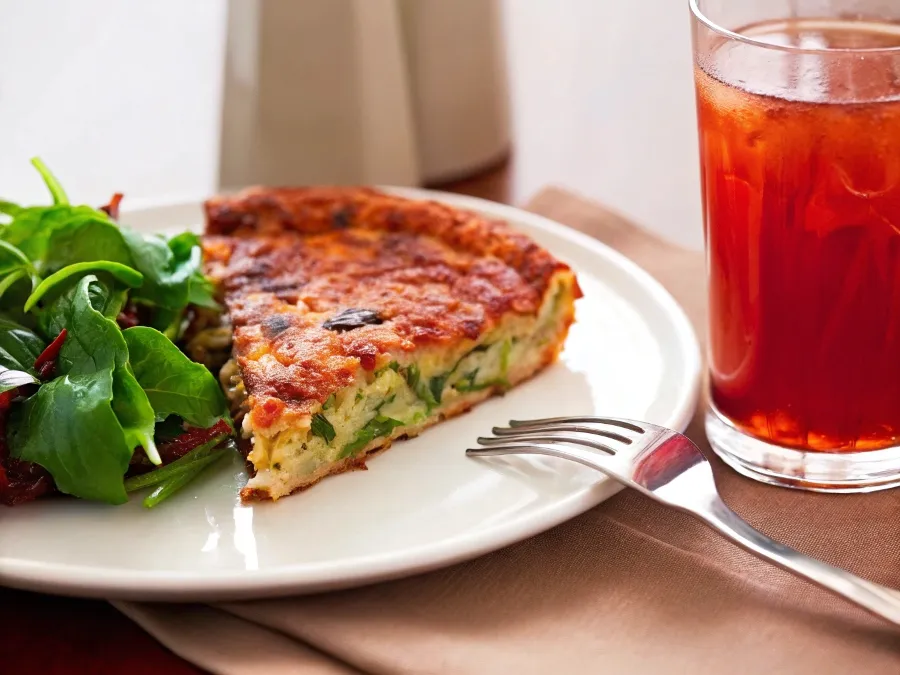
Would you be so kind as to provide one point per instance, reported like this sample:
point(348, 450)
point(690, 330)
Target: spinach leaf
point(322, 428)
point(375, 428)
point(107, 300)
point(173, 383)
point(19, 346)
point(134, 412)
point(31, 228)
point(70, 429)
point(86, 240)
point(202, 292)
point(12, 379)
point(187, 250)
point(166, 276)
point(94, 344)
point(94, 341)
point(173, 268)
point(121, 273)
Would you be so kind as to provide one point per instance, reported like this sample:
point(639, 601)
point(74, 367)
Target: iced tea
point(801, 192)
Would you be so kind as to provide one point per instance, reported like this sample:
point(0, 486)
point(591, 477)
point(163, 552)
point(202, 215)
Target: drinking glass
point(799, 125)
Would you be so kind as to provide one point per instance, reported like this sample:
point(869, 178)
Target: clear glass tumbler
point(799, 123)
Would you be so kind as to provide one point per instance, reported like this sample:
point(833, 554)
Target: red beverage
point(801, 192)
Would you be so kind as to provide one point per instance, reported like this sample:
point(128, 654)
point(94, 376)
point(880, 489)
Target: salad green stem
point(175, 468)
point(11, 279)
point(56, 190)
point(179, 480)
point(15, 252)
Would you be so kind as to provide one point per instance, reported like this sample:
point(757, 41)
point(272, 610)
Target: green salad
point(96, 398)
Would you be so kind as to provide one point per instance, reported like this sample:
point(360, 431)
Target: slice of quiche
point(359, 317)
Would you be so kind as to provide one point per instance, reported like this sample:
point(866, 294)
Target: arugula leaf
point(19, 346)
point(173, 383)
point(120, 272)
point(70, 429)
point(375, 428)
point(322, 428)
point(134, 412)
point(12, 379)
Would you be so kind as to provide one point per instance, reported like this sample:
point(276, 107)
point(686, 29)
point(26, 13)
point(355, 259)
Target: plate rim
point(93, 581)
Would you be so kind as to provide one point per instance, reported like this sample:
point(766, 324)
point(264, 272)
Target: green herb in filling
point(375, 428)
point(436, 387)
point(322, 428)
point(384, 402)
point(413, 375)
point(393, 365)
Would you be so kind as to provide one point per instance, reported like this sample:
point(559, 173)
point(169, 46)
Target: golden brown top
point(292, 262)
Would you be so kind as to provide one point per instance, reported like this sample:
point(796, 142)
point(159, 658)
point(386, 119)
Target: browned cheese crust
point(288, 259)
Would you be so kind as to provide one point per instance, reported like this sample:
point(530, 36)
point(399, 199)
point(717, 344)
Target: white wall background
point(122, 95)
point(603, 104)
point(113, 95)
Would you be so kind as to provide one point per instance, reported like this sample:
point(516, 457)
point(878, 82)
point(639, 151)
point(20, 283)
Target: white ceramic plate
point(421, 505)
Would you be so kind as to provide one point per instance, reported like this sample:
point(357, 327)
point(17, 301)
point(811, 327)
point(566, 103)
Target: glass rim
point(732, 35)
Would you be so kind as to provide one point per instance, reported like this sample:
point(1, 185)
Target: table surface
point(50, 634)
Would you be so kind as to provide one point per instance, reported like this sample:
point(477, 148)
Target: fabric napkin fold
point(628, 587)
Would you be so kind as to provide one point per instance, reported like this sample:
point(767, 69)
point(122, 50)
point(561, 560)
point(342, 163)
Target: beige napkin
point(628, 587)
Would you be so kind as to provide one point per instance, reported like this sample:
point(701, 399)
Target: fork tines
point(521, 434)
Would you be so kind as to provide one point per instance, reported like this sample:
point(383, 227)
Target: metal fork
point(666, 466)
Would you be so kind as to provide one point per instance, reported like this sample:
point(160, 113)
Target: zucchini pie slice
point(358, 317)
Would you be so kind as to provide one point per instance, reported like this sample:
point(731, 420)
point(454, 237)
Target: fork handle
point(878, 599)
